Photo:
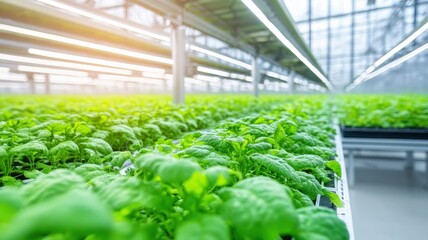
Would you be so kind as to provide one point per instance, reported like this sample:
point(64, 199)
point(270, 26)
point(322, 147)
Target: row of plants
point(384, 111)
point(252, 177)
point(44, 133)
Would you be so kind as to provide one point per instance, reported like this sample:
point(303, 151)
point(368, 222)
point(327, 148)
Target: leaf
point(197, 151)
point(307, 184)
point(203, 227)
point(260, 147)
point(117, 159)
point(97, 145)
point(334, 198)
point(5, 162)
point(66, 213)
point(210, 139)
point(170, 170)
point(131, 193)
point(301, 200)
point(335, 167)
point(276, 165)
point(219, 176)
point(31, 150)
point(89, 171)
point(50, 185)
point(317, 223)
point(11, 202)
point(64, 150)
point(305, 162)
point(258, 208)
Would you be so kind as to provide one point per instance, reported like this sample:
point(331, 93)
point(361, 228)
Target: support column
point(352, 60)
point(410, 163)
point(291, 83)
point(351, 172)
point(47, 84)
point(179, 63)
point(31, 83)
point(255, 74)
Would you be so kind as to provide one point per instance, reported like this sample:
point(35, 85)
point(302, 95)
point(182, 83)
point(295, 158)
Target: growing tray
point(390, 133)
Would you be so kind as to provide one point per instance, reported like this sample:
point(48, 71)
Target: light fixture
point(52, 71)
point(390, 65)
point(276, 75)
point(4, 70)
point(62, 79)
point(85, 44)
point(153, 75)
point(109, 21)
point(90, 60)
point(103, 19)
point(213, 71)
point(109, 77)
point(220, 56)
point(40, 61)
point(13, 77)
point(391, 53)
point(260, 15)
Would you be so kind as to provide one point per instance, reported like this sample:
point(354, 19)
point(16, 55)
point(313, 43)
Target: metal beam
point(255, 74)
point(178, 38)
point(170, 9)
point(356, 12)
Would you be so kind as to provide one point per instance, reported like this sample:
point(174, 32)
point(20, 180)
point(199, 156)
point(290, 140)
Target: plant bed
point(390, 133)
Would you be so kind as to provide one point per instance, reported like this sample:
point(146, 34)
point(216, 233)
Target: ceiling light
point(39, 61)
point(213, 71)
point(52, 71)
point(76, 58)
point(103, 19)
point(85, 44)
point(260, 15)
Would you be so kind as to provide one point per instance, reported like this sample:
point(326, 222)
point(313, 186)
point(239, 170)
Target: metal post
point(255, 74)
point(352, 42)
point(410, 163)
point(329, 40)
point(426, 169)
point(47, 84)
point(351, 168)
point(310, 24)
point(31, 83)
point(291, 83)
point(179, 59)
point(415, 14)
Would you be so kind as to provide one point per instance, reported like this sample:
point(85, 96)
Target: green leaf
point(55, 183)
point(276, 165)
point(335, 167)
point(78, 211)
point(317, 223)
point(131, 193)
point(64, 151)
point(89, 171)
point(259, 208)
point(11, 202)
point(203, 227)
point(305, 162)
point(5, 162)
point(260, 147)
point(170, 170)
point(334, 198)
point(307, 184)
point(97, 145)
point(301, 200)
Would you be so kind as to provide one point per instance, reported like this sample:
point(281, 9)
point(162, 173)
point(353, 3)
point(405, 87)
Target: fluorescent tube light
point(130, 79)
point(153, 75)
point(390, 65)
point(52, 71)
point(85, 44)
point(260, 15)
point(213, 71)
point(4, 70)
point(103, 19)
point(90, 60)
point(13, 77)
point(220, 56)
point(391, 53)
point(39, 61)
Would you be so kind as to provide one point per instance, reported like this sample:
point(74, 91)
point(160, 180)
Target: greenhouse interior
point(213, 119)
